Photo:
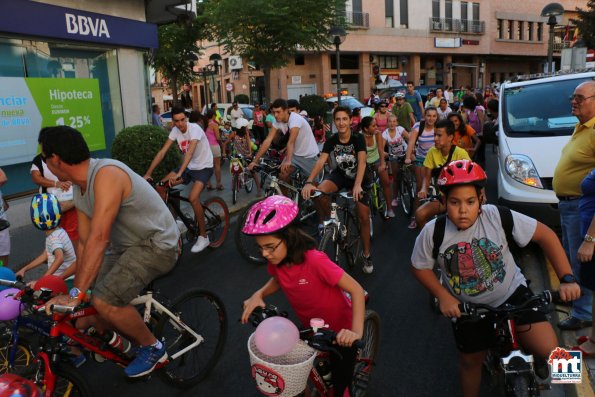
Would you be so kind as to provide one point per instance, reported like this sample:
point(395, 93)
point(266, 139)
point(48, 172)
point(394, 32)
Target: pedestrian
point(576, 161)
point(322, 287)
point(216, 111)
point(478, 267)
point(443, 109)
point(214, 139)
point(413, 98)
point(185, 98)
point(155, 115)
point(4, 225)
point(403, 111)
point(235, 113)
point(259, 116)
point(585, 251)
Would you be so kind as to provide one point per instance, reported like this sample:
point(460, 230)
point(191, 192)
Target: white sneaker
point(390, 213)
point(201, 244)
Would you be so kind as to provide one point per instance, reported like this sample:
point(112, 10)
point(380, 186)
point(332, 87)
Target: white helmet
point(241, 122)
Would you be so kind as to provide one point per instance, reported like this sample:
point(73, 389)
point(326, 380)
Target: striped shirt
point(425, 140)
point(58, 239)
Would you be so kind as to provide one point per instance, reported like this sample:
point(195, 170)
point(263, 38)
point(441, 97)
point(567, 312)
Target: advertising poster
point(28, 104)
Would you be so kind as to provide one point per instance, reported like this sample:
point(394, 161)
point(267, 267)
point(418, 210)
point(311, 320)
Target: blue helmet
point(45, 211)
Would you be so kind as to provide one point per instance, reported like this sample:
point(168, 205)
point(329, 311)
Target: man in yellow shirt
point(443, 152)
point(576, 161)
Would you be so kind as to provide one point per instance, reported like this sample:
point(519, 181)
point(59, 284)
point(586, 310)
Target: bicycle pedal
point(544, 386)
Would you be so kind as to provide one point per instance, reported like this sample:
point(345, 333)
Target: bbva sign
point(84, 25)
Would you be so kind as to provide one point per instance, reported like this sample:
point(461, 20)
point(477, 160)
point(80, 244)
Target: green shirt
point(402, 114)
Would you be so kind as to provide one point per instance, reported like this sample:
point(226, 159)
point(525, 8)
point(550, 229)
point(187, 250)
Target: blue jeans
point(572, 239)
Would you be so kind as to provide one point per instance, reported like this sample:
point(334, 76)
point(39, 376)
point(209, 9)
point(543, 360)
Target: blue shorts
point(195, 175)
point(419, 161)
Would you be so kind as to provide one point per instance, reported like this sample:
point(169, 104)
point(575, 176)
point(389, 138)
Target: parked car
point(351, 103)
point(388, 93)
point(535, 122)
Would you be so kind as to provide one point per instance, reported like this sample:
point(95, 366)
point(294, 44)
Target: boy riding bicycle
point(477, 266)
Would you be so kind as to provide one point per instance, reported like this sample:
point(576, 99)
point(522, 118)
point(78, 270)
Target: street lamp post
point(551, 11)
point(337, 34)
point(216, 60)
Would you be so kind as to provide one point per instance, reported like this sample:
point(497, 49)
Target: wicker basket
point(283, 376)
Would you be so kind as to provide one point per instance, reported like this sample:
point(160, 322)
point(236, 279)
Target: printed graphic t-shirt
point(202, 156)
point(344, 155)
point(476, 263)
point(312, 291)
point(396, 145)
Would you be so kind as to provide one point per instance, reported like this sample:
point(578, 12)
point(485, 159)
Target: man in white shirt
point(196, 168)
point(235, 113)
point(302, 150)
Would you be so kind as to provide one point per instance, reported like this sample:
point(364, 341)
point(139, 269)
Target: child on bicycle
point(443, 152)
point(478, 267)
point(394, 137)
point(313, 284)
point(240, 139)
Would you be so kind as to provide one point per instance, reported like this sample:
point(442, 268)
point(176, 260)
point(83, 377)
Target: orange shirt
point(464, 141)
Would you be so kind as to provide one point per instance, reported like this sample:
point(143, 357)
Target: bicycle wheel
point(205, 314)
point(23, 355)
point(328, 245)
point(246, 245)
point(235, 186)
point(248, 182)
point(217, 220)
point(69, 382)
point(407, 191)
point(351, 243)
point(367, 355)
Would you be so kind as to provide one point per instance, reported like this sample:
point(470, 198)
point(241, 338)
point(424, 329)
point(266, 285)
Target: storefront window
point(30, 59)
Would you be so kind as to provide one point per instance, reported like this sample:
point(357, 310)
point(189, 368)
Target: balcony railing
point(561, 45)
point(356, 19)
point(450, 25)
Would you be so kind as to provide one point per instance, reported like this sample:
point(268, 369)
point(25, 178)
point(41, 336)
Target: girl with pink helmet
point(313, 284)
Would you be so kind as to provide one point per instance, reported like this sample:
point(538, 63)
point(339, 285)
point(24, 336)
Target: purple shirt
point(587, 202)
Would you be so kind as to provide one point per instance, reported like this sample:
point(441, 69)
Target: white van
point(535, 122)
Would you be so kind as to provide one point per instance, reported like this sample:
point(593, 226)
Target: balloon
point(276, 336)
point(10, 308)
point(6, 274)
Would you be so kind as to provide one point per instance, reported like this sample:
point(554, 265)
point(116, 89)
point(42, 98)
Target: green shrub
point(242, 98)
point(315, 105)
point(136, 146)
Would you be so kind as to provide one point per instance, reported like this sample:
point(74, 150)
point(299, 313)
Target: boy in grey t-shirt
point(477, 267)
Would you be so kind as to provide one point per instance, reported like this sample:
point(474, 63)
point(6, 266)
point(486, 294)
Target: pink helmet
point(270, 215)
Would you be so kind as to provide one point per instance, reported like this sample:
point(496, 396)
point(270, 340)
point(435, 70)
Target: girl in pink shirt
point(313, 284)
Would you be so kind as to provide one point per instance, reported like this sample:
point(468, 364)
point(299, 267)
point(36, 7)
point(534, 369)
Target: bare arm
point(263, 147)
point(293, 134)
point(309, 187)
point(58, 261)
point(411, 145)
point(188, 157)
point(257, 298)
point(3, 177)
point(449, 305)
point(380, 142)
point(42, 258)
point(585, 251)
point(358, 307)
point(158, 158)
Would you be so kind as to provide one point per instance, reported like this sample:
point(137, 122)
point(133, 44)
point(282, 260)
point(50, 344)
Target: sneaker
point(390, 213)
point(201, 244)
point(368, 265)
point(412, 224)
point(395, 202)
point(146, 360)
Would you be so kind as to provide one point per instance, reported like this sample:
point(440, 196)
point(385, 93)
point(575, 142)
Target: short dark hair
point(155, 107)
point(341, 109)
point(469, 102)
point(293, 103)
point(411, 82)
point(196, 117)
point(214, 105)
point(366, 122)
point(297, 242)
point(279, 103)
point(177, 110)
point(493, 105)
point(448, 126)
point(65, 142)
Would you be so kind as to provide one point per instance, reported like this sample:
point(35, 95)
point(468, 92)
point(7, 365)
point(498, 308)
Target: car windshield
point(351, 103)
point(539, 109)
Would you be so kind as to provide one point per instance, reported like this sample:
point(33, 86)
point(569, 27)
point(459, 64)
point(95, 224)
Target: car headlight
point(521, 169)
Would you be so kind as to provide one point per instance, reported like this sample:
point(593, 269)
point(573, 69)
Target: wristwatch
point(76, 293)
point(589, 239)
point(568, 279)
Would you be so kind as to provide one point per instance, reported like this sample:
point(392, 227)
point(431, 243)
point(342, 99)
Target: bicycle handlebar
point(345, 195)
point(62, 309)
point(535, 302)
point(14, 284)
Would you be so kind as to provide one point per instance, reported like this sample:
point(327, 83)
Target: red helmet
point(461, 172)
point(51, 282)
point(12, 385)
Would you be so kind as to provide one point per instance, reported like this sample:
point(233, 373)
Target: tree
point(177, 52)
point(586, 23)
point(271, 32)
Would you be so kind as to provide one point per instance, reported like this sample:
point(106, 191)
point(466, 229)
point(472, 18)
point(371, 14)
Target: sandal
point(209, 187)
point(220, 187)
point(584, 338)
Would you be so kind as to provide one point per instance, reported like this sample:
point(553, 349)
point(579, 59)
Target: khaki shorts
point(123, 276)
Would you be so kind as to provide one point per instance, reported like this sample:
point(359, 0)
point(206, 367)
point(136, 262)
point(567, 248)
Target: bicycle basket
point(283, 376)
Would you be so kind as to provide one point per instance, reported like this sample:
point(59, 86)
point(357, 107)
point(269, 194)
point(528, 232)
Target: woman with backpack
point(465, 136)
point(474, 115)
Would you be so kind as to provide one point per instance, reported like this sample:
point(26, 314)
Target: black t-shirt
point(345, 154)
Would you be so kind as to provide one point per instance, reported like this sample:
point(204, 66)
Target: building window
point(388, 62)
point(476, 11)
point(539, 31)
point(404, 13)
point(448, 9)
point(389, 14)
point(464, 14)
point(499, 28)
point(520, 28)
point(510, 30)
point(530, 31)
point(435, 8)
point(300, 59)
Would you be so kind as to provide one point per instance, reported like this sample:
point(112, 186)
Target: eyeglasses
point(269, 249)
point(579, 98)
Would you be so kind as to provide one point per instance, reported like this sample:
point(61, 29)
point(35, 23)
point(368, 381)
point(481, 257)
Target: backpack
point(474, 121)
point(507, 225)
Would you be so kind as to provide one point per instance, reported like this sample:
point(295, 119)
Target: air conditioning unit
point(374, 59)
point(235, 62)
point(436, 25)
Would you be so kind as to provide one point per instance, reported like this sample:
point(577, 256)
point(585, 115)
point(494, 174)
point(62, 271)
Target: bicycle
point(341, 234)
point(215, 211)
point(407, 188)
point(322, 339)
point(240, 176)
point(378, 203)
point(507, 364)
point(193, 328)
point(269, 171)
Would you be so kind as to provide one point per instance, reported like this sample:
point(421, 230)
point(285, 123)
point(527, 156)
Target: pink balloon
point(276, 336)
point(10, 308)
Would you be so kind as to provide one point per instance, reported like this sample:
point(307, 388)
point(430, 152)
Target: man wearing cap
point(403, 111)
point(576, 161)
